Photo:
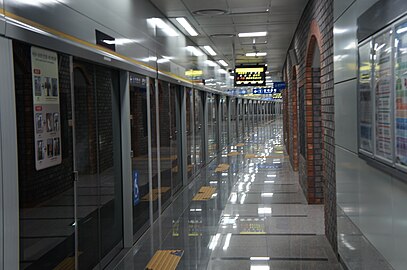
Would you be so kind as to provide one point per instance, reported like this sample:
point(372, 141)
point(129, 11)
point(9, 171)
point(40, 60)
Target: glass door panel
point(175, 139)
point(98, 159)
point(199, 129)
point(190, 131)
point(168, 161)
point(139, 147)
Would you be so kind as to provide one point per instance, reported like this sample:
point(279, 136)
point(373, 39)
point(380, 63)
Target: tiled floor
point(257, 219)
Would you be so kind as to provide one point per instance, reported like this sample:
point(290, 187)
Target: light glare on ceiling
point(194, 51)
point(159, 23)
point(187, 26)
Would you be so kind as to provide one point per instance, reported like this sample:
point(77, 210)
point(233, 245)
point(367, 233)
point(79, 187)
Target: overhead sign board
point(250, 76)
point(275, 93)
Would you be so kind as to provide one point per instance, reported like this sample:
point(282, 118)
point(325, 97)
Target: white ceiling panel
point(194, 5)
point(280, 22)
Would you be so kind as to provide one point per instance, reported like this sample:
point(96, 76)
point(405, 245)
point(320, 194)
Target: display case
point(382, 97)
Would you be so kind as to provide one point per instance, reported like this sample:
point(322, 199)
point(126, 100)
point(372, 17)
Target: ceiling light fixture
point(209, 50)
point(159, 23)
point(187, 26)
point(194, 51)
point(223, 63)
point(253, 34)
point(256, 54)
point(210, 12)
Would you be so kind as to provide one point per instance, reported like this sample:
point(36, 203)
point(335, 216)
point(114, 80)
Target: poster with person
point(46, 106)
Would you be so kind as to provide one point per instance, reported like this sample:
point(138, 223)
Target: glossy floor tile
point(257, 218)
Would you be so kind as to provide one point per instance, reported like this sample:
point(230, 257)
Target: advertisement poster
point(365, 100)
point(401, 95)
point(47, 120)
point(382, 48)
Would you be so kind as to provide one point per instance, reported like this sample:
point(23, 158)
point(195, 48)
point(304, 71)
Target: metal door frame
point(9, 225)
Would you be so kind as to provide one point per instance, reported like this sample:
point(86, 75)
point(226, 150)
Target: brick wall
point(36, 187)
point(317, 169)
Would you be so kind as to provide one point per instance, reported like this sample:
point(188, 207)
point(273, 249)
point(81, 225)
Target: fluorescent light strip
point(187, 26)
point(194, 51)
point(259, 258)
point(256, 54)
point(209, 50)
point(223, 63)
point(253, 34)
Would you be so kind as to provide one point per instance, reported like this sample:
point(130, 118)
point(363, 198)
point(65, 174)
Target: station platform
point(245, 210)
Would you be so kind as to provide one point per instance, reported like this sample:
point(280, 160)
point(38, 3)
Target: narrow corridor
point(256, 217)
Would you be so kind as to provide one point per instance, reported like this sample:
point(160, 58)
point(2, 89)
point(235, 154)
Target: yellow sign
point(193, 73)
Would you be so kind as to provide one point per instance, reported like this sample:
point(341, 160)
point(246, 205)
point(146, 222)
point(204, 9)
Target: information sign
point(382, 49)
point(401, 95)
point(250, 76)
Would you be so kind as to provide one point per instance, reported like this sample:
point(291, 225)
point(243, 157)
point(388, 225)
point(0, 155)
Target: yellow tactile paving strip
point(250, 156)
point(239, 144)
point(222, 167)
point(156, 193)
point(233, 153)
point(205, 193)
point(67, 264)
point(165, 260)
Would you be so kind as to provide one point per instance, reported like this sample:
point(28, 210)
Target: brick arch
point(286, 113)
point(294, 106)
point(313, 118)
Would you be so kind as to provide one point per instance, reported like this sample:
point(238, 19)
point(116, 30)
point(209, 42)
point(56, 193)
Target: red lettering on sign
point(38, 108)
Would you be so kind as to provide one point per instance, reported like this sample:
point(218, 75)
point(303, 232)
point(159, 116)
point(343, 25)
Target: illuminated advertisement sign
point(250, 76)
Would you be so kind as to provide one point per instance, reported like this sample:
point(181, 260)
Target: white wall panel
point(347, 182)
point(345, 115)
point(340, 6)
point(375, 213)
point(375, 201)
point(345, 54)
point(399, 195)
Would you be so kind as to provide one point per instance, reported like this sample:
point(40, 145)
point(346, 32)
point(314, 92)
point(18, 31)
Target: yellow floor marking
point(250, 156)
point(239, 144)
point(222, 168)
point(233, 153)
point(205, 193)
point(67, 264)
point(165, 260)
point(156, 194)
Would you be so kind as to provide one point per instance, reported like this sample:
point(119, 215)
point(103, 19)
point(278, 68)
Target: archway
point(311, 144)
point(294, 119)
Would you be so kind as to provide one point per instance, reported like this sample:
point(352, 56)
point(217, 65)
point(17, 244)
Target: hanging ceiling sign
point(47, 117)
point(250, 76)
point(275, 93)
